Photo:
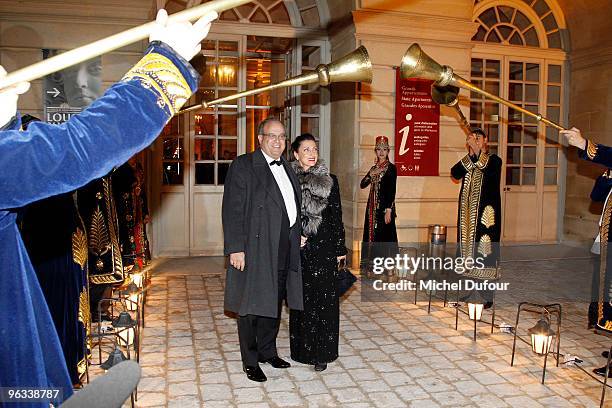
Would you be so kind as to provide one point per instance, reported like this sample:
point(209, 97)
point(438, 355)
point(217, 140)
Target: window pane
point(531, 93)
point(476, 111)
point(554, 94)
point(516, 39)
point(228, 67)
point(532, 38)
point(228, 149)
point(172, 173)
point(529, 155)
point(172, 128)
point(493, 69)
point(521, 21)
point(489, 17)
point(205, 173)
point(493, 37)
point(554, 113)
point(551, 155)
point(532, 72)
point(228, 125)
point(204, 149)
point(554, 73)
point(515, 92)
point(223, 168)
point(514, 134)
point(530, 135)
point(554, 40)
point(550, 176)
point(311, 56)
point(493, 133)
point(492, 111)
point(528, 176)
point(173, 148)
point(475, 95)
point(205, 125)
point(480, 34)
point(552, 135)
point(529, 118)
point(492, 149)
point(228, 47)
point(505, 13)
point(514, 155)
point(516, 71)
point(514, 115)
point(477, 67)
point(513, 176)
point(209, 76)
point(492, 87)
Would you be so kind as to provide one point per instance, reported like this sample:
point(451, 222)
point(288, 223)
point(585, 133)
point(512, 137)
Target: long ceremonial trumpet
point(417, 64)
point(353, 67)
point(91, 50)
point(449, 95)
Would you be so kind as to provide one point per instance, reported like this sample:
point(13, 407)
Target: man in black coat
point(261, 214)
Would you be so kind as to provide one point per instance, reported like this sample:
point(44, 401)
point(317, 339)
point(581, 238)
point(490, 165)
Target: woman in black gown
point(314, 331)
point(379, 232)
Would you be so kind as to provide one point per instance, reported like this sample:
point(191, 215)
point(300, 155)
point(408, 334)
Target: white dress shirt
point(284, 184)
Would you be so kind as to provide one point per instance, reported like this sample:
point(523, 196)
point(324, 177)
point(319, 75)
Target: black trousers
point(257, 334)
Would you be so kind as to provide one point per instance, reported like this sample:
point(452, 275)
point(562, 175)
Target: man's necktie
point(277, 162)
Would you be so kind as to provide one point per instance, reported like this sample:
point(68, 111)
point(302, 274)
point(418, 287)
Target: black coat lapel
point(266, 178)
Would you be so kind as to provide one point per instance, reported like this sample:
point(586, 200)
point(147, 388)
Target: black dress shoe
point(488, 305)
point(320, 367)
point(604, 354)
point(254, 373)
point(277, 362)
point(602, 371)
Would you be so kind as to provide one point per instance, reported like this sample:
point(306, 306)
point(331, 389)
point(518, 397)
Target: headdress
point(382, 142)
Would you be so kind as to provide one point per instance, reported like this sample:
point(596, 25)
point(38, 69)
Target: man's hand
point(574, 138)
point(184, 38)
point(8, 99)
point(388, 216)
point(237, 260)
point(341, 258)
point(471, 141)
point(303, 240)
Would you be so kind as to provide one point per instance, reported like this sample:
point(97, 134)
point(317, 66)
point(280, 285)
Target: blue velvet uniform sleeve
point(50, 159)
point(602, 186)
point(597, 153)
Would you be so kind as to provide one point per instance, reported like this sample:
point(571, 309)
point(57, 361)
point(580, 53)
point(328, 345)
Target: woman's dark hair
point(298, 140)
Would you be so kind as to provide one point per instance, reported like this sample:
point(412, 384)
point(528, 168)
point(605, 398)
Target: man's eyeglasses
point(280, 138)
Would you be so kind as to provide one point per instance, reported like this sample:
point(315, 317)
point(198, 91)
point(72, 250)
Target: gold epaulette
point(159, 73)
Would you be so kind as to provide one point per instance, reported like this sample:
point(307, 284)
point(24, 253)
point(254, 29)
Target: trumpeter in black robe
point(479, 215)
point(314, 331)
point(54, 237)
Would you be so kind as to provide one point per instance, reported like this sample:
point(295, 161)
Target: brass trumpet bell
point(417, 64)
point(353, 67)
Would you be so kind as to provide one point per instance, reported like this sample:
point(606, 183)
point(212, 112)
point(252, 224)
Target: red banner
point(417, 128)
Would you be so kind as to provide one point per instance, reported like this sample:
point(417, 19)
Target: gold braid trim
point(591, 149)
point(159, 73)
point(603, 234)
point(488, 216)
point(470, 202)
point(467, 163)
point(483, 160)
point(79, 248)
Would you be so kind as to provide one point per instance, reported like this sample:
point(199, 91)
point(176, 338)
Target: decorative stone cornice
point(412, 26)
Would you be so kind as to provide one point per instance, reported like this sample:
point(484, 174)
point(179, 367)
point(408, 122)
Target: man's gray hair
point(263, 123)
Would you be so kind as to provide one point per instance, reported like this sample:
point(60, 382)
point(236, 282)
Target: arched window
point(303, 13)
point(536, 25)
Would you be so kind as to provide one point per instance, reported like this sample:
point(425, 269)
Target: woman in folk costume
point(314, 331)
point(479, 215)
point(379, 232)
point(600, 154)
point(47, 160)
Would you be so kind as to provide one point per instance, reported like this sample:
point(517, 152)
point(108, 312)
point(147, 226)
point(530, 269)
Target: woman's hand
point(375, 171)
point(341, 258)
point(303, 240)
point(388, 216)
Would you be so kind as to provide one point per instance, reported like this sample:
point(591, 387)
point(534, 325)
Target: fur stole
point(316, 184)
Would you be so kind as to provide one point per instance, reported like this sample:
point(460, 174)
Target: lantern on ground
point(541, 336)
